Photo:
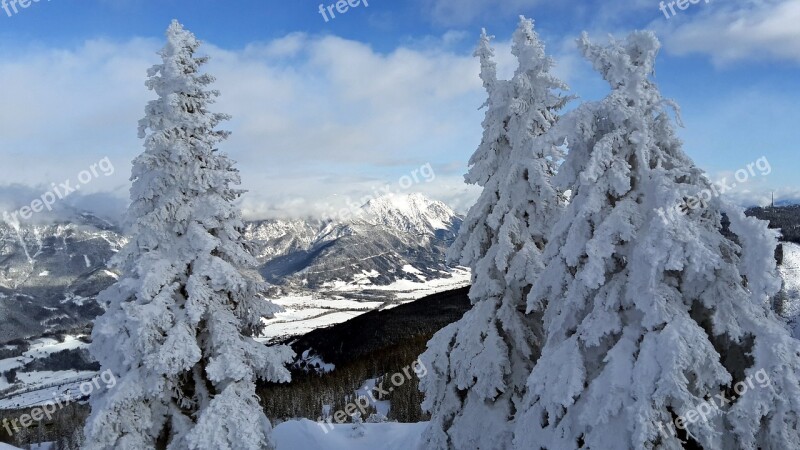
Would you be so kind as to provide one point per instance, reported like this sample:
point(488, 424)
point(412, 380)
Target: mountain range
point(390, 238)
point(51, 273)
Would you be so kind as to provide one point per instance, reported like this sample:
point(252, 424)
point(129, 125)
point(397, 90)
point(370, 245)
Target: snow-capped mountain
point(397, 237)
point(274, 238)
point(51, 273)
point(414, 213)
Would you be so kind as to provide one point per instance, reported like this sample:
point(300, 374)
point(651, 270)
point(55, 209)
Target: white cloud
point(315, 118)
point(763, 196)
point(737, 30)
point(65, 109)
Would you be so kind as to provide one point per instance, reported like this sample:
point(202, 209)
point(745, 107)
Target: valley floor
point(306, 312)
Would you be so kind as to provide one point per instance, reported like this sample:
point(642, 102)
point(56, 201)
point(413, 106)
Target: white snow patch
point(313, 361)
point(40, 348)
point(790, 271)
point(111, 274)
point(409, 290)
point(285, 329)
point(408, 268)
point(305, 434)
point(367, 391)
point(75, 299)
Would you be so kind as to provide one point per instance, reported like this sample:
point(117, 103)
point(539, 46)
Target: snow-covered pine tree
point(479, 365)
point(377, 417)
point(179, 326)
point(357, 429)
point(652, 315)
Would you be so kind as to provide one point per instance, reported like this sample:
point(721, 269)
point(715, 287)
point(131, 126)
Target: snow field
point(40, 348)
point(304, 313)
point(308, 435)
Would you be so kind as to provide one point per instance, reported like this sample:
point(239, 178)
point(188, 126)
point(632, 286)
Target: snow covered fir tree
point(178, 331)
point(658, 327)
point(480, 364)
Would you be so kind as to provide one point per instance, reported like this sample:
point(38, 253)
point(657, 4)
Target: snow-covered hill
point(34, 387)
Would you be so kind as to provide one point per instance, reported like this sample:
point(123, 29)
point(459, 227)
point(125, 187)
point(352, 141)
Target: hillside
point(373, 344)
point(378, 330)
point(356, 356)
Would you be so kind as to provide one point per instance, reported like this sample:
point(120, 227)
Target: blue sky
point(325, 111)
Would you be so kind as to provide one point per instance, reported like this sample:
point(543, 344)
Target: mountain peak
point(413, 213)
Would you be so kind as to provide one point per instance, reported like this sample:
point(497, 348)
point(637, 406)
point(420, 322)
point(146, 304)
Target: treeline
point(70, 359)
point(784, 218)
point(375, 345)
point(309, 393)
point(65, 429)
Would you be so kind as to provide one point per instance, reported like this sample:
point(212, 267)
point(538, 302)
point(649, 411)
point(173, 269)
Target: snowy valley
point(391, 254)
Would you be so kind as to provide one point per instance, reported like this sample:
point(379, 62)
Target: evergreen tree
point(179, 326)
point(357, 429)
point(478, 366)
point(654, 319)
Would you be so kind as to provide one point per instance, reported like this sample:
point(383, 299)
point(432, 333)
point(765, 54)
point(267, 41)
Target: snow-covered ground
point(65, 385)
point(40, 348)
point(790, 270)
point(45, 446)
point(38, 387)
point(407, 289)
point(279, 328)
point(382, 406)
point(308, 435)
point(305, 312)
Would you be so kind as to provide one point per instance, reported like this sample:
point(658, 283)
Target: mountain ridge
point(51, 273)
